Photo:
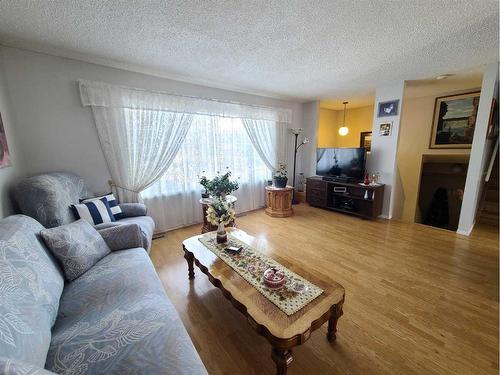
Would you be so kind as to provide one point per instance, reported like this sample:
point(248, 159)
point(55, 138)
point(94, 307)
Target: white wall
point(382, 158)
point(480, 152)
point(57, 134)
point(8, 175)
point(311, 123)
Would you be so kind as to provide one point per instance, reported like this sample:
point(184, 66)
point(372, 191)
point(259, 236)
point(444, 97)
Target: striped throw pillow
point(96, 211)
point(113, 204)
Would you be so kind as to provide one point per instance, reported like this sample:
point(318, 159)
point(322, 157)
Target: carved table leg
point(332, 322)
point(190, 261)
point(282, 358)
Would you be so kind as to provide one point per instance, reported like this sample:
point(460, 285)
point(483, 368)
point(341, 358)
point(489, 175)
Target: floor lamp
point(296, 147)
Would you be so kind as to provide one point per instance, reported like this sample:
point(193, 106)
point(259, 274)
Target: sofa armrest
point(121, 237)
point(102, 226)
point(133, 209)
point(14, 367)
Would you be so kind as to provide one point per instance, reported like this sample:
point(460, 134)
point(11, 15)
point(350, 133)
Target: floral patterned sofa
point(113, 319)
point(47, 198)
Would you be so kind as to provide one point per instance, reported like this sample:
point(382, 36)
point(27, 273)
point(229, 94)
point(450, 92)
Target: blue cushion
point(147, 226)
point(31, 284)
point(77, 246)
point(96, 211)
point(112, 202)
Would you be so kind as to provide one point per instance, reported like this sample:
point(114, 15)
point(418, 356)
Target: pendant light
point(344, 130)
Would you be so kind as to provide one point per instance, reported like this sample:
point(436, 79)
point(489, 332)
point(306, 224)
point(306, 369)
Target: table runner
point(251, 264)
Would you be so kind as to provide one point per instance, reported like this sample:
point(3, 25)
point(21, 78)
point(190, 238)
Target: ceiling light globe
point(343, 131)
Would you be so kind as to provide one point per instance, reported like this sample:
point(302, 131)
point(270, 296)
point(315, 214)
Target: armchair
point(48, 198)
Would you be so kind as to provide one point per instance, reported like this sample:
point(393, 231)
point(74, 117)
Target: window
point(212, 144)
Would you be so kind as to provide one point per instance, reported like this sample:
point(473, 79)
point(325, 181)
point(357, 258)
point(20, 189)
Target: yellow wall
point(358, 120)
point(414, 136)
point(327, 127)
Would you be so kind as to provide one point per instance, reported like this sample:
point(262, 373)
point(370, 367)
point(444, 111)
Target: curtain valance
point(100, 94)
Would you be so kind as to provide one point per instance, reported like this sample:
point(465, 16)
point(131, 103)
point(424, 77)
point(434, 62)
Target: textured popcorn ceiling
point(291, 49)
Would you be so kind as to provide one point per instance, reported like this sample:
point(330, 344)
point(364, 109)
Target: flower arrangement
point(220, 185)
point(220, 212)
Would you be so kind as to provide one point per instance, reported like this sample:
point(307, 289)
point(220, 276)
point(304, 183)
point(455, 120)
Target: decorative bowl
point(274, 278)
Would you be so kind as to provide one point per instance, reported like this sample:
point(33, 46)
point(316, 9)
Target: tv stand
point(337, 179)
point(356, 199)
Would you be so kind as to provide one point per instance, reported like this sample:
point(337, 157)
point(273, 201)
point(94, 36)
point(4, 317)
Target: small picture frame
point(388, 109)
point(385, 129)
point(365, 140)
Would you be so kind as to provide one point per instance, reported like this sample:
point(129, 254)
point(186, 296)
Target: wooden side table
point(279, 201)
point(207, 227)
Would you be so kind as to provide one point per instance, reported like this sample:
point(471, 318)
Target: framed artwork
point(365, 140)
point(387, 109)
point(454, 121)
point(493, 121)
point(385, 129)
point(4, 147)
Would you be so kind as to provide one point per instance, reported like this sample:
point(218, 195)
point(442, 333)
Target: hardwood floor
point(419, 300)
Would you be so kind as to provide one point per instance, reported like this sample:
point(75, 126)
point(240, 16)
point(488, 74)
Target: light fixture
point(344, 130)
point(444, 76)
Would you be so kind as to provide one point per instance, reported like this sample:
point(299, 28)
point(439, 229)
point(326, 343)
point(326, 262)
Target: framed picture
point(385, 129)
point(4, 147)
point(454, 121)
point(493, 121)
point(365, 140)
point(387, 109)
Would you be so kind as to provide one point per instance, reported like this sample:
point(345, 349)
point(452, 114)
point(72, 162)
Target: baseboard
point(163, 233)
point(159, 235)
point(465, 232)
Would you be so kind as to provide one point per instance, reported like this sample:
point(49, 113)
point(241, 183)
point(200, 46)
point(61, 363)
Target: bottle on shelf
point(366, 181)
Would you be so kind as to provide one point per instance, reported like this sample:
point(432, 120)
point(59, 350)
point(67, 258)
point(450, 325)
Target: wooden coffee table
point(282, 331)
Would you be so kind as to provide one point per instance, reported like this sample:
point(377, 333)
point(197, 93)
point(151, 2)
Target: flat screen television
point(343, 163)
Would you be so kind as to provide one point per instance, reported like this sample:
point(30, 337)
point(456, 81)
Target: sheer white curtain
point(139, 145)
point(140, 133)
point(269, 140)
point(212, 144)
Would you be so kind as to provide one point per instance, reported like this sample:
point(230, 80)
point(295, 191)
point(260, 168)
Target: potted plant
point(280, 177)
point(205, 182)
point(220, 185)
point(220, 213)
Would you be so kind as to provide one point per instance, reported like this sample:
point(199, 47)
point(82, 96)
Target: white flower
point(281, 171)
point(219, 211)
